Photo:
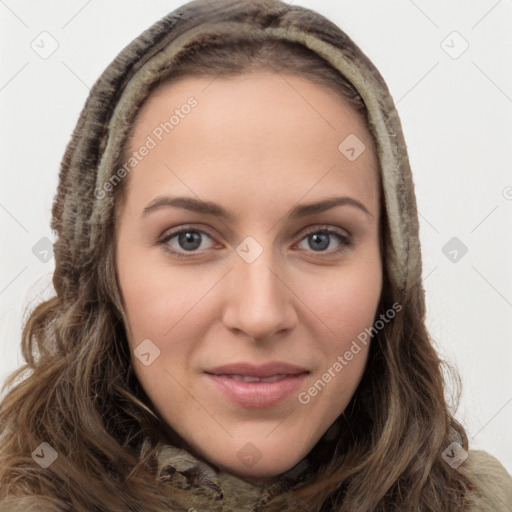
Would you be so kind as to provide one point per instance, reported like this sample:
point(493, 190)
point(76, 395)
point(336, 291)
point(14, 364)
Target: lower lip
point(257, 394)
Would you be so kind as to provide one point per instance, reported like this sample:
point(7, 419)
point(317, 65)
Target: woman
point(239, 319)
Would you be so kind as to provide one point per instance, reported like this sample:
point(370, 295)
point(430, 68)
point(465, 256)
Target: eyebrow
point(209, 208)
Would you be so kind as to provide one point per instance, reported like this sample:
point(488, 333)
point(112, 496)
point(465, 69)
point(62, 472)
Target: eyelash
point(345, 241)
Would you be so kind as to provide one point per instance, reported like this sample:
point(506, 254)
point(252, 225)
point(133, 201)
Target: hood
point(115, 98)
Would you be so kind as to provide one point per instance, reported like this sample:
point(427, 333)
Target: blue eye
point(320, 239)
point(188, 240)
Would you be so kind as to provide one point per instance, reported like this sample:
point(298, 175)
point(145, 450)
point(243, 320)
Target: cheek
point(160, 306)
point(156, 296)
point(346, 305)
point(346, 300)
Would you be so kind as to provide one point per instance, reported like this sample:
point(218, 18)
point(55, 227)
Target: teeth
point(248, 378)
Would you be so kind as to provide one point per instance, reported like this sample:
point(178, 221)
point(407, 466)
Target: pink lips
point(257, 386)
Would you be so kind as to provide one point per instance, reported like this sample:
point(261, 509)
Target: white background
point(457, 118)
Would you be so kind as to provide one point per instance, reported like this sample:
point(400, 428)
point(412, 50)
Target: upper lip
point(265, 370)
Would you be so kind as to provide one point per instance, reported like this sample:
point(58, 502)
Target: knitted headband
point(91, 156)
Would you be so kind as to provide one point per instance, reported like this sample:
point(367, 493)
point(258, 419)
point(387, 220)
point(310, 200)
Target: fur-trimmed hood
point(126, 83)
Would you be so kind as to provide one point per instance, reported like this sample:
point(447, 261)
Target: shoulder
point(493, 492)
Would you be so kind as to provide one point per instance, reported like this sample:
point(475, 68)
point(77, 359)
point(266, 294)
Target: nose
point(259, 299)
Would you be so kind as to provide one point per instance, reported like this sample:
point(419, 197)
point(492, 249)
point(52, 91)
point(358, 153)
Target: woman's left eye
point(191, 241)
point(320, 239)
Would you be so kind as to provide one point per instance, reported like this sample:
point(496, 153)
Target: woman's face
point(239, 260)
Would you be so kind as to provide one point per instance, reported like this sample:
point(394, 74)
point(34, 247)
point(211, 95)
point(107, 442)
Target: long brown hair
point(78, 391)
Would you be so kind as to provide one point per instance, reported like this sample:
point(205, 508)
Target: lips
point(257, 386)
point(249, 378)
point(271, 369)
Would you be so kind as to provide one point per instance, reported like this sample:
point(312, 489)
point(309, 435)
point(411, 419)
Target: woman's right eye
point(185, 240)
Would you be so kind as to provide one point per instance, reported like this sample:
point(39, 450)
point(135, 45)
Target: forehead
point(258, 133)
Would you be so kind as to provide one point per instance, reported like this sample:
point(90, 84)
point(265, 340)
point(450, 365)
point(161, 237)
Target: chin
point(263, 475)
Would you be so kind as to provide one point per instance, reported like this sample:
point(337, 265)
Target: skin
point(257, 147)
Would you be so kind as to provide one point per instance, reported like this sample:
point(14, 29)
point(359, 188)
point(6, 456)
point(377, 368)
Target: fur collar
point(210, 489)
